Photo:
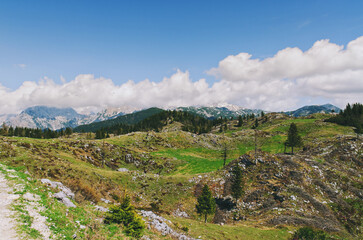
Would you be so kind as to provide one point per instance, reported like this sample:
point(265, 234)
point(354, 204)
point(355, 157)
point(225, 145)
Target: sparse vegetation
point(166, 170)
point(308, 233)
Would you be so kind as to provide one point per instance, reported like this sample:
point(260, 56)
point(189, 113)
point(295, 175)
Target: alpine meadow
point(181, 120)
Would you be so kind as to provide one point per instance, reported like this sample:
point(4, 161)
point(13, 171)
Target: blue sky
point(123, 40)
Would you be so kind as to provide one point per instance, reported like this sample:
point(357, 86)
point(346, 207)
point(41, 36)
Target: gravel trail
point(7, 223)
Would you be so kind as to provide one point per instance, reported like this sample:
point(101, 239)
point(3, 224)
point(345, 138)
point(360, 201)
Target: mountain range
point(57, 118)
point(307, 110)
point(219, 111)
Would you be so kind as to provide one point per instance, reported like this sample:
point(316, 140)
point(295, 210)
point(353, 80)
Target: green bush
point(125, 214)
point(308, 233)
point(185, 229)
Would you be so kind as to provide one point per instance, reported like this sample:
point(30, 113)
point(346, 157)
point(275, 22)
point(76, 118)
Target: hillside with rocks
point(164, 171)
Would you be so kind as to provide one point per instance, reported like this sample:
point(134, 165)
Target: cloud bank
point(290, 78)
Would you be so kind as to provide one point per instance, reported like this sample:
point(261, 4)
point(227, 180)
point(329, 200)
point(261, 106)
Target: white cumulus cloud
point(326, 70)
point(292, 77)
point(86, 93)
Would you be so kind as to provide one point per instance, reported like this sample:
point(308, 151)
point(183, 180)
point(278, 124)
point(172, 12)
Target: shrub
point(125, 214)
point(185, 229)
point(308, 233)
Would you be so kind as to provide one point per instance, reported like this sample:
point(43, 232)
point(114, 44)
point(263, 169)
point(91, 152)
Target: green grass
point(194, 160)
point(229, 232)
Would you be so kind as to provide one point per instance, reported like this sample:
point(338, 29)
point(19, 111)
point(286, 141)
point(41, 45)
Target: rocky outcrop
point(160, 224)
point(64, 195)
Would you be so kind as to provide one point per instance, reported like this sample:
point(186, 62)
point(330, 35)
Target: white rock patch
point(7, 223)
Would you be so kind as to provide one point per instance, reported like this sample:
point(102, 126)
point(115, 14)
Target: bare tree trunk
point(255, 146)
point(205, 218)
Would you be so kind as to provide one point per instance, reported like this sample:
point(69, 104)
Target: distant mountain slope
point(189, 122)
point(51, 112)
point(132, 118)
point(56, 118)
point(307, 110)
point(108, 113)
point(219, 111)
point(46, 117)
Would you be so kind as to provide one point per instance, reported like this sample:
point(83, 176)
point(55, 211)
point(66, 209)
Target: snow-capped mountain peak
point(229, 106)
point(57, 118)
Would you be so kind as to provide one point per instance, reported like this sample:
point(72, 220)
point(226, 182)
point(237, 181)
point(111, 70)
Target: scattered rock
point(58, 185)
point(180, 213)
point(105, 200)
point(122, 170)
point(161, 225)
point(65, 200)
point(31, 197)
point(102, 209)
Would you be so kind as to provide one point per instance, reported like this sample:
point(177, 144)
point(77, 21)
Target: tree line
point(191, 123)
point(350, 116)
point(33, 132)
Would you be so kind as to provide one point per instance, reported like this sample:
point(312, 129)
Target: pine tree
point(240, 121)
point(126, 215)
point(358, 130)
point(293, 138)
point(237, 182)
point(11, 131)
point(224, 153)
point(206, 203)
point(68, 131)
point(255, 125)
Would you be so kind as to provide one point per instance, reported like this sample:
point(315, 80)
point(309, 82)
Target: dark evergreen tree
point(11, 131)
point(68, 131)
point(237, 183)
point(293, 138)
point(206, 203)
point(240, 121)
point(350, 116)
point(255, 125)
point(126, 215)
point(224, 153)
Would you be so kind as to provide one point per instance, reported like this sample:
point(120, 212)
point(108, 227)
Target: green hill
point(164, 171)
point(127, 119)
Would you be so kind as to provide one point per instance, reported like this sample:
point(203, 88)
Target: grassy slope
point(196, 158)
point(190, 153)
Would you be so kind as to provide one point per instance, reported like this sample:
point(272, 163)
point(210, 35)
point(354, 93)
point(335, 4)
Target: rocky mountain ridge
point(311, 109)
point(57, 118)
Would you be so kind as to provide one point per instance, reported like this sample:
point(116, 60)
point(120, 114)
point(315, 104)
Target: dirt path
point(7, 223)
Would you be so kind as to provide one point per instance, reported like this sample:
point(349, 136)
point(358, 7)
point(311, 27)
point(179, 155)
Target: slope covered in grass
point(165, 170)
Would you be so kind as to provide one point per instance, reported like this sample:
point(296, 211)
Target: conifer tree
point(68, 131)
point(224, 152)
point(126, 215)
point(206, 203)
point(255, 125)
point(293, 138)
point(237, 183)
point(240, 121)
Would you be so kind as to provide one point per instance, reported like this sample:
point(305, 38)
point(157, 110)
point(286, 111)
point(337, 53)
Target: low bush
point(125, 214)
point(308, 233)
